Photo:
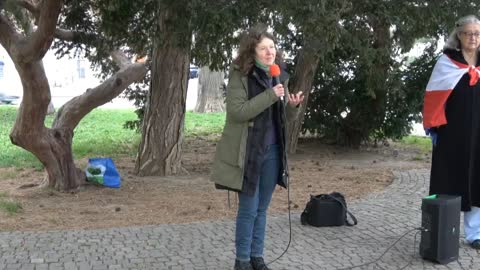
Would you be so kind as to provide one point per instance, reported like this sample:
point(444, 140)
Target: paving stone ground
point(382, 219)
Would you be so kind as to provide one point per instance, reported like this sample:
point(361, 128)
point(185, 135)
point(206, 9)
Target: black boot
point(239, 265)
point(258, 263)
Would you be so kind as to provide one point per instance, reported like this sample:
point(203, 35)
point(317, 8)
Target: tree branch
point(28, 5)
point(73, 111)
point(33, 9)
point(66, 34)
point(37, 44)
point(8, 36)
point(120, 59)
point(76, 36)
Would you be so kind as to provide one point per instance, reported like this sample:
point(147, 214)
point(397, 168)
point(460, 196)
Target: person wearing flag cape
point(451, 116)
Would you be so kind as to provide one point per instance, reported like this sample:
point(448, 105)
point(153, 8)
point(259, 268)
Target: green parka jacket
point(228, 164)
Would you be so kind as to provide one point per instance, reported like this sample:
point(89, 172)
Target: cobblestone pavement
point(382, 219)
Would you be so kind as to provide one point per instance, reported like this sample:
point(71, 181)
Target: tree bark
point(210, 91)
point(302, 80)
point(162, 129)
point(382, 62)
point(53, 146)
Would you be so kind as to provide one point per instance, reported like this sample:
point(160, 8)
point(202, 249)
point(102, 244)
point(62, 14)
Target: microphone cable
point(289, 224)
point(414, 245)
point(421, 229)
point(390, 247)
point(284, 105)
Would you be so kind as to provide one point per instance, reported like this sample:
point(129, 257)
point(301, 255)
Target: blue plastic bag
point(108, 176)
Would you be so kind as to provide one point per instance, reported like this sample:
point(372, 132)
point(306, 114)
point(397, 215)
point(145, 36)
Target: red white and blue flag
point(445, 76)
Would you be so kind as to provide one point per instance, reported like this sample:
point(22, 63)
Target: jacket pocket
point(227, 149)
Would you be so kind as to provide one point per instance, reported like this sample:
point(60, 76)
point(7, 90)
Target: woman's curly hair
point(248, 42)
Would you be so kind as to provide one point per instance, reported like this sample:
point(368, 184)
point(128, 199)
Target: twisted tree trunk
point(53, 146)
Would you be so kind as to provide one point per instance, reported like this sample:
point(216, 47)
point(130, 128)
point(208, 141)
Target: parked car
point(193, 72)
point(8, 99)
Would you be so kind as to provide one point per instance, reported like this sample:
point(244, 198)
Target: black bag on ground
point(327, 210)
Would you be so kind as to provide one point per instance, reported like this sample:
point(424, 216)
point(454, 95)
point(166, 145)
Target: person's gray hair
point(453, 42)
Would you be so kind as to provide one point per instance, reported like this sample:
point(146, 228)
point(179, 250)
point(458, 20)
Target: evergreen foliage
point(364, 87)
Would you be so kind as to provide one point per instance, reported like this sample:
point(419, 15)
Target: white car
point(8, 99)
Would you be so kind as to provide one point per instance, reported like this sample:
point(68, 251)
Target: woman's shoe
point(239, 265)
point(258, 263)
point(475, 244)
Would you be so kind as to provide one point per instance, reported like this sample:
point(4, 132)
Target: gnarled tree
point(27, 30)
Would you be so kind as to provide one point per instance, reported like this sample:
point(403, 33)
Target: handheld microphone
point(275, 72)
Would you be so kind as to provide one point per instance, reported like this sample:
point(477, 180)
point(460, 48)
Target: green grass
point(202, 124)
point(11, 155)
point(422, 143)
point(100, 133)
point(9, 206)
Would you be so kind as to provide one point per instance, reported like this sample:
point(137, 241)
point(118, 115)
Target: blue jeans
point(252, 210)
point(471, 223)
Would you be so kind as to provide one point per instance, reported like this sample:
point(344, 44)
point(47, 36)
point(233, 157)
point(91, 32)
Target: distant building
point(9, 80)
point(81, 68)
point(68, 77)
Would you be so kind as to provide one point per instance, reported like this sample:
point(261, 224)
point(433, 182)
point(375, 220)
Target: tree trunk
point(350, 135)
point(379, 73)
point(356, 130)
point(210, 91)
point(62, 173)
point(302, 80)
point(53, 147)
point(162, 131)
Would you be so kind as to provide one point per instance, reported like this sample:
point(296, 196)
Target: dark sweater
point(265, 131)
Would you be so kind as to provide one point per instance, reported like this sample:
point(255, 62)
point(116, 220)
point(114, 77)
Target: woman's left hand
point(295, 99)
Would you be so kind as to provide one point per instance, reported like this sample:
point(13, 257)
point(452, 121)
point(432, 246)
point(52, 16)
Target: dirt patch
point(316, 168)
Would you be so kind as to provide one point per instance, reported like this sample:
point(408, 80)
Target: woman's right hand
point(279, 90)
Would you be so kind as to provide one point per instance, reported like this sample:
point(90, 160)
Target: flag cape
point(445, 76)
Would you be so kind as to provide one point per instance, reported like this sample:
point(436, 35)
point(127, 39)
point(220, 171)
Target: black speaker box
point(441, 221)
